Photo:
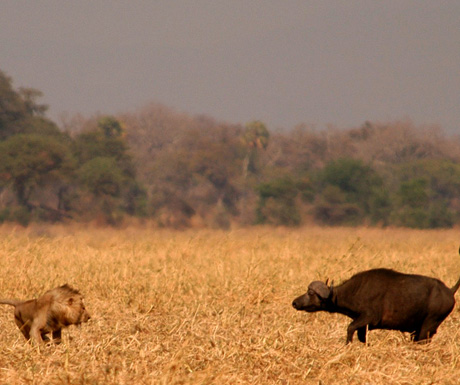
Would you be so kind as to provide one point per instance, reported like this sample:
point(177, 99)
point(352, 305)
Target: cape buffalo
point(384, 299)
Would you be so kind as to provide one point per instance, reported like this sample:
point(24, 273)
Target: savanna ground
point(212, 307)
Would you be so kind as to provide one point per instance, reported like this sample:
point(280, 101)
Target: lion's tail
point(12, 302)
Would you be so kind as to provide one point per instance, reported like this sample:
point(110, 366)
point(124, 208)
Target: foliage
point(110, 127)
point(20, 113)
point(103, 141)
point(12, 107)
point(107, 171)
point(349, 192)
point(255, 138)
point(332, 208)
point(102, 177)
point(427, 193)
point(28, 162)
point(355, 179)
point(277, 204)
point(182, 170)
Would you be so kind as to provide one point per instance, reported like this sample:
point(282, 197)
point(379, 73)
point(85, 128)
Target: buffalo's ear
point(320, 288)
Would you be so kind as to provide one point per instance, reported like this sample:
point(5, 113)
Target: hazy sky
point(281, 61)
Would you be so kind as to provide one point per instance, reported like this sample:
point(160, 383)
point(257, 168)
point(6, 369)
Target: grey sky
point(283, 62)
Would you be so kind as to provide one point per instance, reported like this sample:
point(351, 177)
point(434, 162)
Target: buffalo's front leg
point(358, 324)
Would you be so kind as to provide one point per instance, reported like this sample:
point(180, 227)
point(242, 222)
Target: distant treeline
point(179, 170)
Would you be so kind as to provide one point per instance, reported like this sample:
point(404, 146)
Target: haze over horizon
point(284, 63)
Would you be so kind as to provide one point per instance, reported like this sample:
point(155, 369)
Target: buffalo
point(384, 299)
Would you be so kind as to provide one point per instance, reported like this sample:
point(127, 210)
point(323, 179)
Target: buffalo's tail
point(457, 285)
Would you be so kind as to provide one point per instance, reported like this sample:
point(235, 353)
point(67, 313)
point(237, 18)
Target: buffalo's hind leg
point(362, 334)
point(428, 330)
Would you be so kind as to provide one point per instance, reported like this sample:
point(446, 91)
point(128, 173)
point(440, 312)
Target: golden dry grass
point(211, 307)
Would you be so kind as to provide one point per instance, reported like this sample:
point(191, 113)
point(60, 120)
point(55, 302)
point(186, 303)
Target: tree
point(29, 97)
point(255, 138)
point(110, 126)
point(277, 202)
point(102, 177)
point(104, 140)
point(427, 193)
point(349, 192)
point(332, 208)
point(20, 113)
point(107, 170)
point(28, 162)
point(216, 161)
point(12, 108)
point(357, 180)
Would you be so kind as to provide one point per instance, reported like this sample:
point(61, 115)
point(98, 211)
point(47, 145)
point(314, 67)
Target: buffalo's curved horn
point(320, 288)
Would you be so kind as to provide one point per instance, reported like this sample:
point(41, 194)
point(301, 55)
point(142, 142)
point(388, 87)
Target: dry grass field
point(212, 307)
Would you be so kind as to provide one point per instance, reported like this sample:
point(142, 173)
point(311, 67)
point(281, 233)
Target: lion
point(56, 309)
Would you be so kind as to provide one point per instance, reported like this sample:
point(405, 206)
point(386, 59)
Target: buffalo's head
point(315, 298)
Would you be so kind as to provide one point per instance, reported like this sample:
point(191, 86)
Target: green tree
point(102, 177)
point(12, 107)
point(420, 207)
point(106, 140)
point(107, 170)
point(332, 208)
point(105, 180)
point(427, 193)
point(442, 176)
point(110, 126)
point(20, 113)
point(414, 193)
point(28, 162)
point(351, 191)
point(277, 204)
point(29, 98)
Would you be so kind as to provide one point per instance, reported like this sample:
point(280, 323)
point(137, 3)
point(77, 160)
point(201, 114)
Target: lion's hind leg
point(57, 336)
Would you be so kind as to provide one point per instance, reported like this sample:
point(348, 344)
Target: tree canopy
point(180, 170)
